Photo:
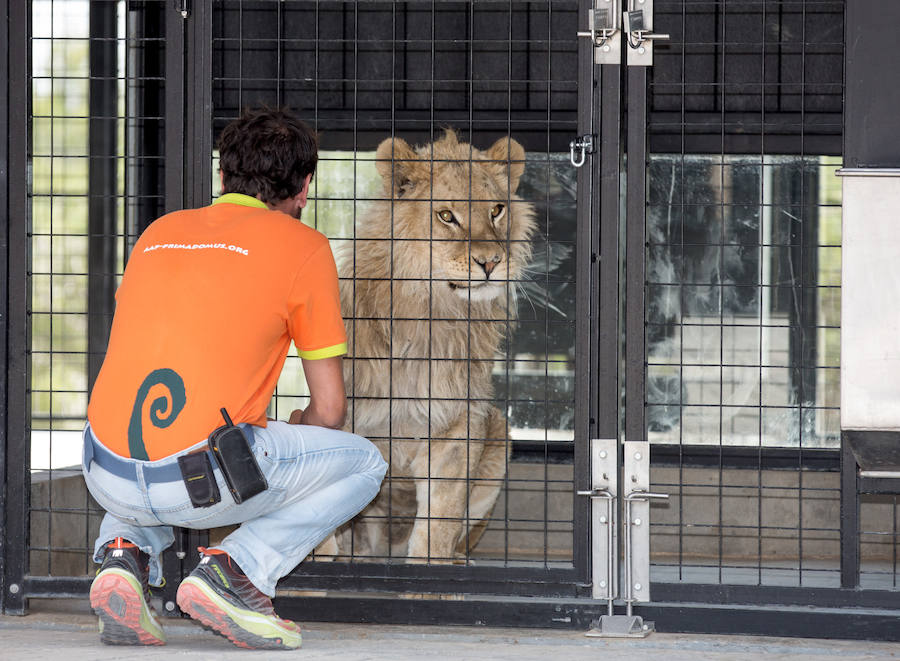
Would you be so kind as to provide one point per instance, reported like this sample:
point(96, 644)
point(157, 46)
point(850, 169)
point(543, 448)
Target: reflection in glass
point(743, 300)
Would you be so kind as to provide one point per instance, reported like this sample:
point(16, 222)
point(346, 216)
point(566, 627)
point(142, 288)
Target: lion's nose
point(488, 263)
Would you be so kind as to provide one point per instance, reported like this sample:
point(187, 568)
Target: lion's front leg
point(488, 481)
point(441, 495)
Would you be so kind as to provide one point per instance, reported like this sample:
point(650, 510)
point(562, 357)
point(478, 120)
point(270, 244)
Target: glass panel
point(744, 268)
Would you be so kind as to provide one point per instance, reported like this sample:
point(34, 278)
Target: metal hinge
point(183, 7)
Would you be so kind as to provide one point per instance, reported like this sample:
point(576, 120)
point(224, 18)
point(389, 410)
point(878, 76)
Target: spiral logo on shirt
point(163, 410)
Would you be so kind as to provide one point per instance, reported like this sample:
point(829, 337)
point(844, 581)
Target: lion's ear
point(510, 153)
point(395, 160)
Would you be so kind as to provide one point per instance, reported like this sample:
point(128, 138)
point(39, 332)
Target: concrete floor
point(68, 630)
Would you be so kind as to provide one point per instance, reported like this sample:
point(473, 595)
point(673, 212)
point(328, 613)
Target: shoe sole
point(244, 628)
point(125, 617)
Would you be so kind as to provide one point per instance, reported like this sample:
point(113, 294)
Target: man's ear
point(301, 197)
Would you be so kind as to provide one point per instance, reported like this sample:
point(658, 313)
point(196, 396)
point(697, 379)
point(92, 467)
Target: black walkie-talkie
point(232, 452)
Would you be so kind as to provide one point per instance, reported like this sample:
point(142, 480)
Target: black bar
point(175, 109)
point(878, 485)
point(635, 240)
point(535, 581)
point(804, 620)
point(18, 299)
point(561, 614)
point(198, 107)
point(174, 186)
point(779, 596)
point(144, 103)
point(797, 622)
point(608, 340)
point(585, 296)
point(872, 72)
point(4, 292)
point(749, 457)
point(849, 518)
point(877, 622)
point(102, 179)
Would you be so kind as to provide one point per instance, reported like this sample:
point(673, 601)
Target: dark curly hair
point(267, 153)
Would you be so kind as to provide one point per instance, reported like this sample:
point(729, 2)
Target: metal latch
point(183, 7)
point(603, 31)
point(636, 530)
point(639, 33)
point(584, 145)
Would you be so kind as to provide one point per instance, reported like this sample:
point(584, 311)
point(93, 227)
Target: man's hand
point(327, 403)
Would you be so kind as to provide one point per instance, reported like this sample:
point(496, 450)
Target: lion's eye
point(447, 216)
point(497, 211)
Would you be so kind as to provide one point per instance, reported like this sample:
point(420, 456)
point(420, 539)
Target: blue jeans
point(318, 479)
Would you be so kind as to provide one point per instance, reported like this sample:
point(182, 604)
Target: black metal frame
point(15, 26)
point(554, 598)
point(4, 295)
point(102, 180)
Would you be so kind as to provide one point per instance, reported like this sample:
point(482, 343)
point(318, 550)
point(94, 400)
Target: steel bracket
point(636, 531)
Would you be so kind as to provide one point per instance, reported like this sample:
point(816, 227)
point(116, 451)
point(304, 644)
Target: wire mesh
point(96, 124)
point(469, 392)
point(743, 290)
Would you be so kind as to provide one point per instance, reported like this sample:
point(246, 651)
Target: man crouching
point(177, 433)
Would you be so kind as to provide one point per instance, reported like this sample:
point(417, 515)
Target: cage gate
point(679, 289)
point(473, 395)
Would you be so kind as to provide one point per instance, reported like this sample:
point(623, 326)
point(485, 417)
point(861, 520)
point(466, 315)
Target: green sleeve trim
point(327, 352)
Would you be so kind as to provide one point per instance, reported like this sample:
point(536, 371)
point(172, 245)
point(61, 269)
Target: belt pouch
point(232, 452)
point(199, 479)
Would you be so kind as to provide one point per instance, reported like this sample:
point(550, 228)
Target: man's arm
point(328, 402)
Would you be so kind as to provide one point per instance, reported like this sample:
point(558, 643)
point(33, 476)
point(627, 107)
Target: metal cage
point(681, 288)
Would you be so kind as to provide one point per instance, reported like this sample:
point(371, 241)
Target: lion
point(428, 296)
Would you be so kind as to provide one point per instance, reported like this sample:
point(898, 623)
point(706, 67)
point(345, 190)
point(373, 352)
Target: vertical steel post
point(16, 20)
point(4, 292)
point(103, 187)
point(849, 517)
point(635, 254)
point(587, 286)
point(144, 108)
point(198, 106)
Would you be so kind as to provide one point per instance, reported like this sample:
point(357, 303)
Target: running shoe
point(120, 596)
point(221, 597)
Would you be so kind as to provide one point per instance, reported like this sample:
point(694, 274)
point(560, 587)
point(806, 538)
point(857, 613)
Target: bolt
point(641, 51)
point(603, 452)
point(637, 455)
point(602, 519)
point(180, 555)
point(637, 522)
point(646, 627)
point(605, 50)
point(170, 606)
point(14, 588)
point(602, 584)
point(637, 586)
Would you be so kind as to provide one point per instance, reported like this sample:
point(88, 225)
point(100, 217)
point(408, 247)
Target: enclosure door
point(370, 77)
point(733, 311)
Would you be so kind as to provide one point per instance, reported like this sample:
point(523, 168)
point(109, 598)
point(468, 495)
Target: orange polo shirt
point(209, 303)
